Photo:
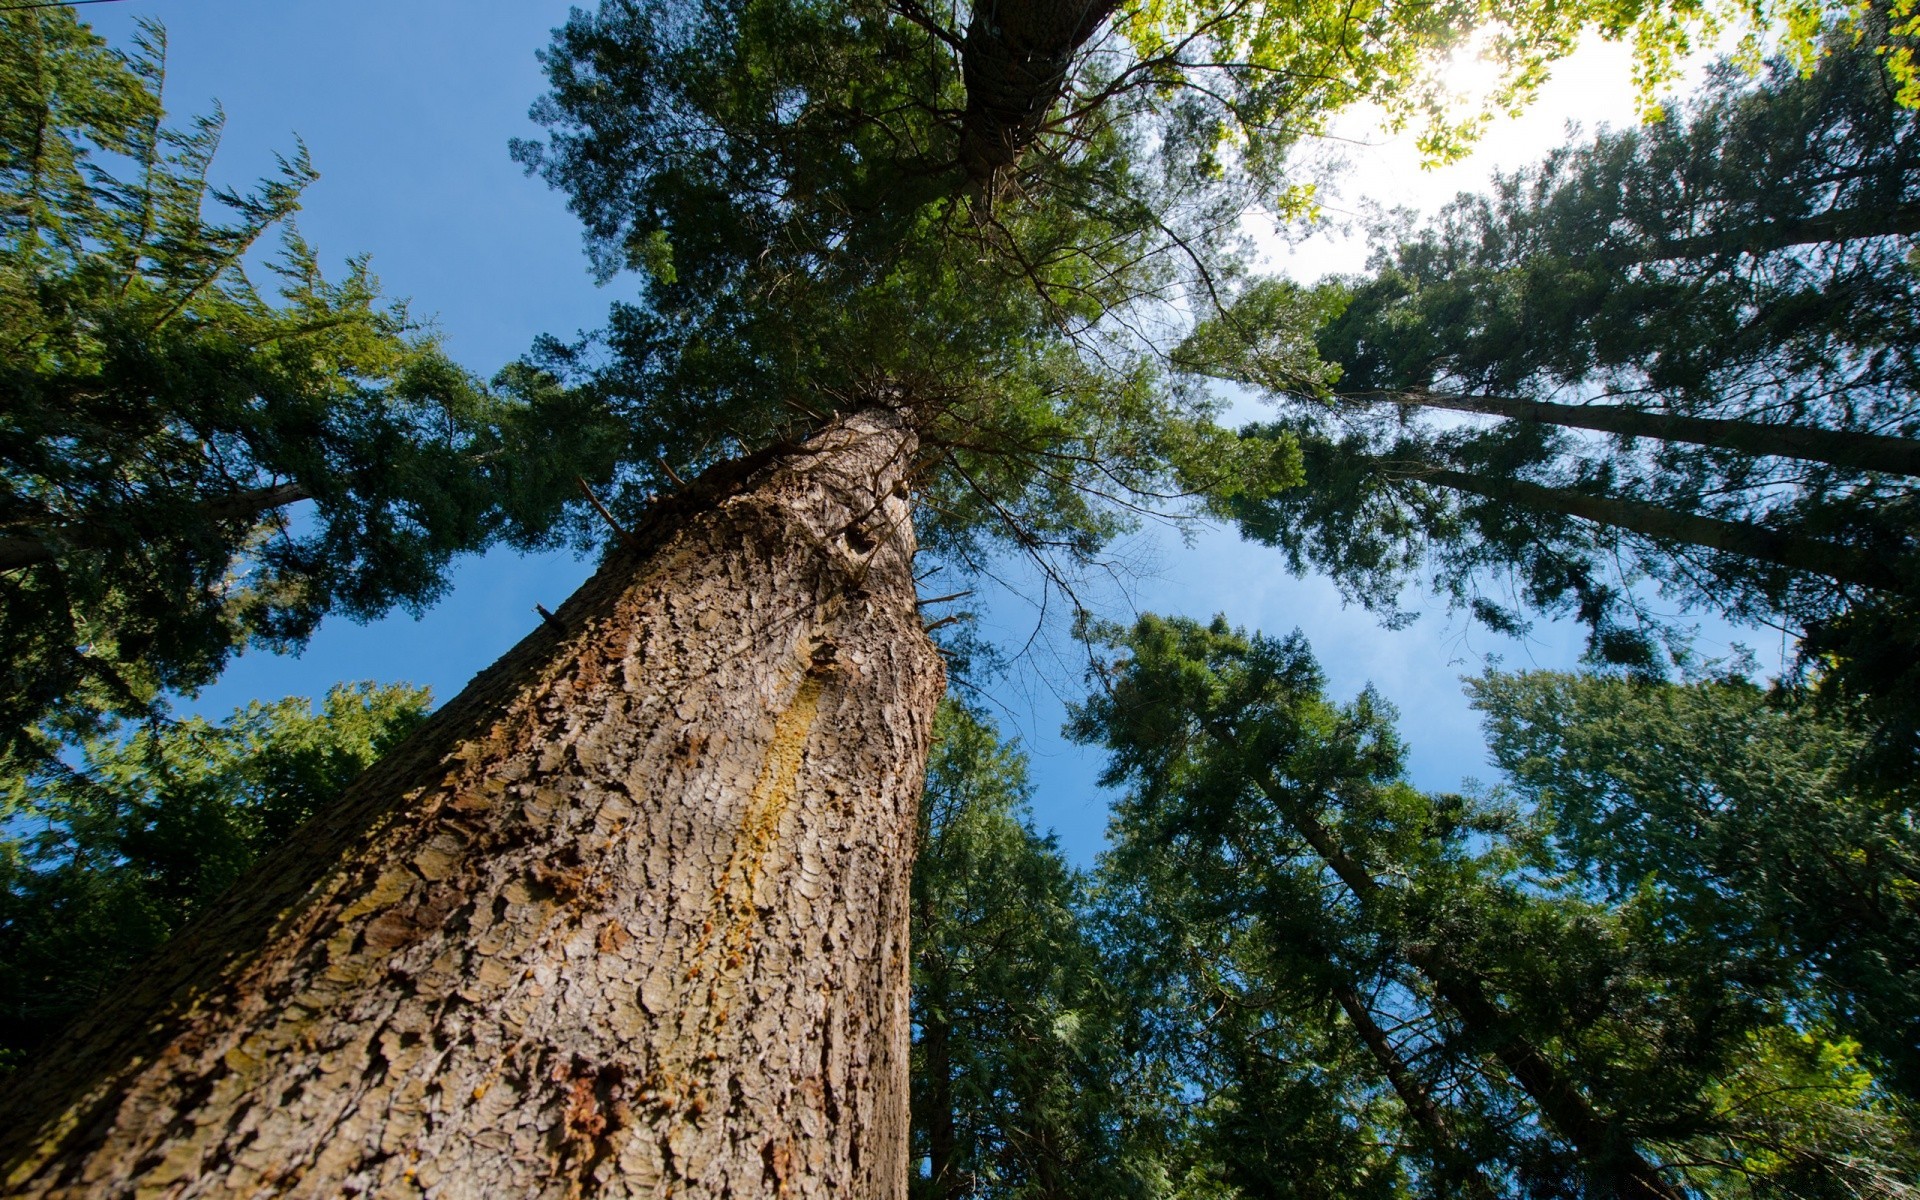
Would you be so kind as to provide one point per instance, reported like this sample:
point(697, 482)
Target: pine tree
point(629, 914)
point(1695, 338)
point(190, 464)
point(1020, 1084)
point(1749, 818)
point(1381, 992)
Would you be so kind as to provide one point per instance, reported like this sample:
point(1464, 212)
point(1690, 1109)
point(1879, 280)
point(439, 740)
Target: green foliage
point(785, 178)
point(1019, 1086)
point(1292, 66)
point(831, 205)
point(1748, 820)
point(162, 412)
point(1405, 994)
point(1745, 260)
point(105, 854)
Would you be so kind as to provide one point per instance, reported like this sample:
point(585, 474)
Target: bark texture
point(627, 918)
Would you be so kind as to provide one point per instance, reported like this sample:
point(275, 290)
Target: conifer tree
point(1695, 339)
point(189, 463)
point(1748, 816)
point(1380, 992)
point(629, 915)
point(1021, 1087)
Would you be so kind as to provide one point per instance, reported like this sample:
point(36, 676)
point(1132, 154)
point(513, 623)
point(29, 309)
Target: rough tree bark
point(627, 918)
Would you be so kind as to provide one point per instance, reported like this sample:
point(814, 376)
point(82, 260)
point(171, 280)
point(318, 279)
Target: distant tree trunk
point(1605, 1148)
point(626, 918)
point(34, 547)
point(1833, 225)
point(1414, 1096)
point(936, 1047)
point(1841, 563)
point(1840, 448)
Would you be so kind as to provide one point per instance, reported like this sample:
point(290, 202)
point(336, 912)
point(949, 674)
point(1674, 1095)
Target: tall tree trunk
point(936, 1046)
point(1851, 450)
point(1015, 61)
point(1842, 563)
point(1414, 1096)
point(627, 918)
point(1838, 448)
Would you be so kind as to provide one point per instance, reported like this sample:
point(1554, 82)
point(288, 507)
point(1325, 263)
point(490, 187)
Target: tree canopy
point(1670, 961)
point(989, 214)
point(1750, 819)
point(1698, 338)
point(1376, 991)
point(190, 464)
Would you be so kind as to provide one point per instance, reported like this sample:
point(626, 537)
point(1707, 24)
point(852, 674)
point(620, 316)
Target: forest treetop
point(992, 212)
point(1696, 343)
point(163, 410)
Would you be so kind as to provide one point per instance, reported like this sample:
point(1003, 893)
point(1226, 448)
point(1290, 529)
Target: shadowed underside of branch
point(1798, 552)
point(38, 546)
point(1015, 62)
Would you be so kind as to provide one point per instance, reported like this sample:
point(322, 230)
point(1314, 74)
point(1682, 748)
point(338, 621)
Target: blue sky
point(407, 107)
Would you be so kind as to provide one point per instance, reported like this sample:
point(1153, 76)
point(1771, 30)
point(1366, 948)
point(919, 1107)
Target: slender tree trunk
point(27, 550)
point(936, 1047)
point(627, 918)
point(1838, 562)
point(1606, 1150)
point(1853, 451)
point(1834, 225)
point(1413, 1095)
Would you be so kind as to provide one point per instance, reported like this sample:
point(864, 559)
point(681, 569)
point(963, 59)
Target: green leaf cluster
point(1747, 816)
point(785, 178)
point(791, 181)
